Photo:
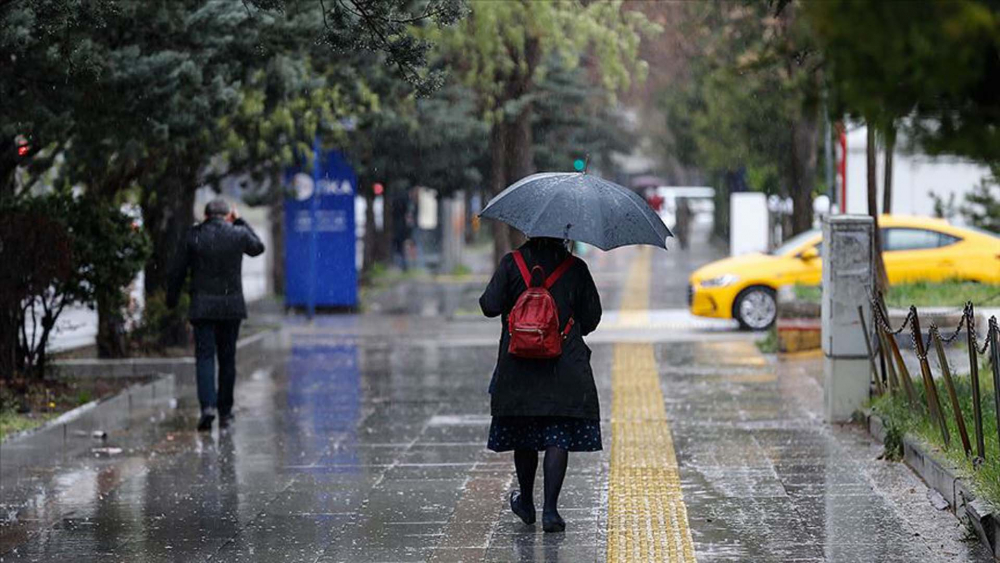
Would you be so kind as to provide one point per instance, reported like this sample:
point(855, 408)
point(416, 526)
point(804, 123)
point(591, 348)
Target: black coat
point(563, 386)
point(213, 252)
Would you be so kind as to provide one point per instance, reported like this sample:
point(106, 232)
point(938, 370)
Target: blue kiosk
point(320, 243)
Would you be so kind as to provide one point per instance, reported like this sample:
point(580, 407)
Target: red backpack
point(533, 323)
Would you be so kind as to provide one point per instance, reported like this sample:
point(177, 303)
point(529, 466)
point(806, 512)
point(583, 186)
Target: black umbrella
point(580, 207)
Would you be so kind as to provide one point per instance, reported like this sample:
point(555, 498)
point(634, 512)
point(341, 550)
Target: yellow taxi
point(914, 249)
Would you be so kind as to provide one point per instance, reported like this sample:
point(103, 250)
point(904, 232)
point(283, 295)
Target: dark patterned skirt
point(539, 432)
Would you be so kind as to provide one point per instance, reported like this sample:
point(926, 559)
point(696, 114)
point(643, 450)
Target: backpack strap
point(559, 271)
point(569, 326)
point(525, 274)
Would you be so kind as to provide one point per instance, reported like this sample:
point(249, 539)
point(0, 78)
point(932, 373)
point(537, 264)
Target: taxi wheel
point(756, 308)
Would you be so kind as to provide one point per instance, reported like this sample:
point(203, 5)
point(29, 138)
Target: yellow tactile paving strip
point(647, 518)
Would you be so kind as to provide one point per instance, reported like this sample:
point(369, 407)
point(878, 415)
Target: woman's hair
point(551, 241)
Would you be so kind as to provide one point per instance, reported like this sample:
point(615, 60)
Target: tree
point(982, 205)
point(49, 62)
point(935, 65)
point(749, 114)
point(573, 120)
point(79, 250)
point(138, 91)
point(501, 51)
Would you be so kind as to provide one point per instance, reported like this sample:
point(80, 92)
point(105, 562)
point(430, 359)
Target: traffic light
point(579, 165)
point(22, 145)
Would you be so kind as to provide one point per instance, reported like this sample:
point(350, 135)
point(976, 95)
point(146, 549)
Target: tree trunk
point(881, 281)
point(890, 146)
point(498, 181)
point(276, 213)
point(803, 171)
point(110, 328)
point(167, 213)
point(520, 158)
point(9, 317)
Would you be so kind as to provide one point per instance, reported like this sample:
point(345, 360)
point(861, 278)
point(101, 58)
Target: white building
point(913, 177)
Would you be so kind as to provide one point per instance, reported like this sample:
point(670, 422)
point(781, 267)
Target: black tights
point(526, 463)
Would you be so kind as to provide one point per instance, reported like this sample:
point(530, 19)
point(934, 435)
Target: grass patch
point(900, 419)
point(29, 403)
point(461, 270)
point(768, 344)
point(11, 422)
point(942, 294)
point(923, 294)
point(809, 293)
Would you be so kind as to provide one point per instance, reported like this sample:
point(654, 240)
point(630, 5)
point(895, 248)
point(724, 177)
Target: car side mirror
point(809, 254)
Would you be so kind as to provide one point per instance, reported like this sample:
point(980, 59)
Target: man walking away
point(213, 252)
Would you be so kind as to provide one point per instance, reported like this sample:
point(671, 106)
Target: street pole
point(828, 152)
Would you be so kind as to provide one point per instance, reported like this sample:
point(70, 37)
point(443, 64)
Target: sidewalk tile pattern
point(647, 519)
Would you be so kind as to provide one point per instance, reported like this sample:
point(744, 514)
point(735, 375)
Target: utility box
point(748, 223)
point(848, 273)
point(320, 246)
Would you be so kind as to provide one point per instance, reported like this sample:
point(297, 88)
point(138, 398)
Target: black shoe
point(526, 515)
point(552, 522)
point(226, 420)
point(206, 420)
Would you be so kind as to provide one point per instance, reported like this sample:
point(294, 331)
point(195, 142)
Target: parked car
point(914, 249)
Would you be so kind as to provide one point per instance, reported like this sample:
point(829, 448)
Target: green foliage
point(749, 112)
point(573, 120)
point(900, 419)
point(982, 205)
point(810, 293)
point(504, 44)
point(768, 344)
point(935, 63)
point(61, 250)
point(157, 318)
point(50, 64)
point(953, 293)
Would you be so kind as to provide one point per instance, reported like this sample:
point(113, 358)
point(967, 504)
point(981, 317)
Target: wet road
point(361, 438)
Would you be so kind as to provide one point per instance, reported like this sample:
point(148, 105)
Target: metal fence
point(891, 375)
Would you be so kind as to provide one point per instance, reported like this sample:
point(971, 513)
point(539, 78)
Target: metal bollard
point(993, 336)
point(977, 407)
point(950, 387)
point(887, 360)
point(871, 353)
point(925, 369)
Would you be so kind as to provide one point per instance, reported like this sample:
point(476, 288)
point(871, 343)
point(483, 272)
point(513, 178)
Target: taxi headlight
point(720, 281)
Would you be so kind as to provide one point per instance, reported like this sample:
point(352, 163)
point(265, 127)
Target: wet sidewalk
point(361, 438)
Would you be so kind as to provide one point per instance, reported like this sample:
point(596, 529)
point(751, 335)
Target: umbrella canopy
point(580, 207)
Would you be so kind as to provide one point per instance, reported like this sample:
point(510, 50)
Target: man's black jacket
point(213, 252)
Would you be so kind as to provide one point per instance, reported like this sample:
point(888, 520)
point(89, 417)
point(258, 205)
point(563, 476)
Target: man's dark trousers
point(216, 338)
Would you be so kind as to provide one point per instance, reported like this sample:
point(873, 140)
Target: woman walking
point(543, 396)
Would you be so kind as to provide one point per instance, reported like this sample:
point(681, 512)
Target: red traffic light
point(378, 188)
point(22, 145)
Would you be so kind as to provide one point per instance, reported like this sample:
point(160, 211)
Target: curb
point(942, 476)
point(182, 366)
point(75, 429)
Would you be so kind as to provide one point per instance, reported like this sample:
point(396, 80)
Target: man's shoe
point(226, 420)
point(205, 422)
